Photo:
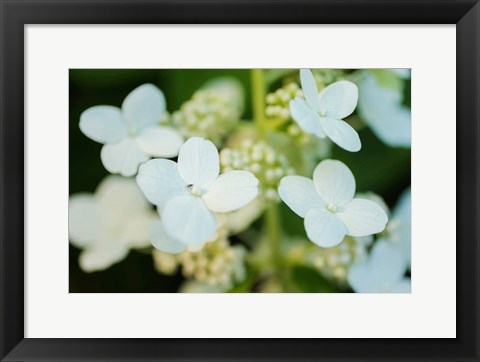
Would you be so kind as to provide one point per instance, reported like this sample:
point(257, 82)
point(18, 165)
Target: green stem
point(274, 239)
point(258, 98)
point(273, 230)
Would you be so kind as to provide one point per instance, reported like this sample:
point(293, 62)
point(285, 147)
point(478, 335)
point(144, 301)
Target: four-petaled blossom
point(322, 114)
point(382, 272)
point(328, 205)
point(188, 193)
point(132, 134)
point(109, 223)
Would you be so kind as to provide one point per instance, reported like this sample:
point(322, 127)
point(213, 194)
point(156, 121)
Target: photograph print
point(239, 181)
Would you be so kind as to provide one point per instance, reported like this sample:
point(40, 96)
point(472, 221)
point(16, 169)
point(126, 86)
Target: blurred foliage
point(309, 280)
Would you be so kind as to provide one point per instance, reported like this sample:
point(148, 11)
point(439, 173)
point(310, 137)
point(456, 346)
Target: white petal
point(123, 157)
point(334, 182)
point(85, 219)
point(405, 286)
point(387, 264)
point(135, 229)
point(187, 219)
point(401, 232)
point(324, 228)
point(307, 119)
point(160, 181)
point(230, 191)
point(104, 124)
point(339, 99)
point(144, 106)
point(341, 133)
point(382, 273)
point(309, 87)
point(392, 125)
point(159, 141)
point(403, 208)
point(360, 278)
point(375, 198)
point(162, 241)
point(363, 217)
point(382, 109)
point(399, 124)
point(198, 162)
point(121, 195)
point(102, 256)
point(299, 194)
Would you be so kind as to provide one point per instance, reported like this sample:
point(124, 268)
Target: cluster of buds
point(263, 161)
point(277, 103)
point(165, 263)
point(212, 112)
point(278, 111)
point(333, 263)
point(217, 264)
point(324, 77)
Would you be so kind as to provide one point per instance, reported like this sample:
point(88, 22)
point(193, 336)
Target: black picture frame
point(15, 14)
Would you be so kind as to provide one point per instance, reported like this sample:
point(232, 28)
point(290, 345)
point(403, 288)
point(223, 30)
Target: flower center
point(132, 131)
point(322, 112)
point(195, 191)
point(331, 207)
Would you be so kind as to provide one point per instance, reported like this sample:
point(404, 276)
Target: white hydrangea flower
point(132, 134)
point(322, 114)
point(399, 228)
point(382, 272)
point(328, 205)
point(188, 193)
point(381, 108)
point(109, 223)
